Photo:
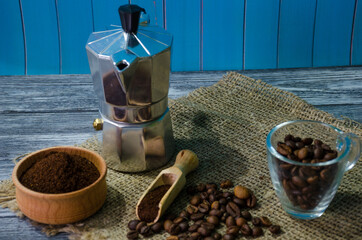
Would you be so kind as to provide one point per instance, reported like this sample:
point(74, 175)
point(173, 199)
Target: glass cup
point(306, 173)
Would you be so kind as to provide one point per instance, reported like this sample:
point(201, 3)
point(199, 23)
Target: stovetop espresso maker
point(130, 67)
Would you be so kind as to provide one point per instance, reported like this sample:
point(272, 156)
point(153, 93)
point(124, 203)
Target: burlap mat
point(226, 126)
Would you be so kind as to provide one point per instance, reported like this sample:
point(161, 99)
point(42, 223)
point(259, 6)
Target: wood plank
point(22, 229)
point(357, 36)
point(42, 40)
point(75, 23)
point(183, 21)
point(261, 34)
point(223, 35)
point(296, 33)
point(333, 27)
point(12, 40)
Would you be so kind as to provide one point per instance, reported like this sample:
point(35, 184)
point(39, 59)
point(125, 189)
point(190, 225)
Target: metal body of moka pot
point(130, 69)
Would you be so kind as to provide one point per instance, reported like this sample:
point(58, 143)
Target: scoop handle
point(186, 161)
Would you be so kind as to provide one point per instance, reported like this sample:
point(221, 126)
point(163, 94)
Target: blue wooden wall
point(49, 36)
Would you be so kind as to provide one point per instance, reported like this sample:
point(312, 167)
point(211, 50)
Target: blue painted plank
point(105, 13)
point(41, 33)
point(154, 9)
point(223, 35)
point(75, 22)
point(261, 28)
point(296, 33)
point(183, 21)
point(12, 57)
point(333, 32)
point(357, 36)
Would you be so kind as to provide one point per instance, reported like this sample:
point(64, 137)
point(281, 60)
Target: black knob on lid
point(130, 17)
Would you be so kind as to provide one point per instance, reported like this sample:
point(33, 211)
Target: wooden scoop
point(186, 161)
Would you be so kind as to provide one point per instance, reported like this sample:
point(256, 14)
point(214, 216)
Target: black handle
point(130, 17)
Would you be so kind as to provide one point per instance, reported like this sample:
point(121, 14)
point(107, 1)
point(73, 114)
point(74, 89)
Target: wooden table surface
point(48, 110)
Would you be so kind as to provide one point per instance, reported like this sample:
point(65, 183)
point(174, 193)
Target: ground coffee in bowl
point(59, 172)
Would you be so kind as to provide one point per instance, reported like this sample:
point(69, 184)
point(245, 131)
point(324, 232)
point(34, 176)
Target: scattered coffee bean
point(233, 209)
point(215, 205)
point(246, 214)
point(226, 184)
point(133, 224)
point(191, 209)
point(193, 228)
point(157, 227)
point(182, 236)
point(204, 231)
point(246, 230)
point(233, 230)
point(167, 224)
point(197, 216)
point(208, 225)
point(195, 200)
point(275, 229)
point(179, 220)
point(215, 212)
point(204, 208)
point(199, 222)
point(184, 226)
point(222, 201)
point(132, 235)
point(265, 221)
point(239, 202)
point(145, 231)
point(230, 221)
point(251, 201)
point(172, 238)
point(212, 197)
point(227, 195)
point(240, 221)
point(211, 185)
point(210, 207)
point(204, 196)
point(213, 219)
point(228, 237)
point(195, 236)
point(140, 225)
point(256, 221)
point(257, 231)
point(174, 229)
point(241, 192)
point(184, 214)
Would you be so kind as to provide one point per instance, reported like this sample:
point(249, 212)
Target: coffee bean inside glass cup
point(305, 185)
point(307, 160)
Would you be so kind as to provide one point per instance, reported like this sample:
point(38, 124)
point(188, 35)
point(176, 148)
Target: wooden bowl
point(61, 208)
